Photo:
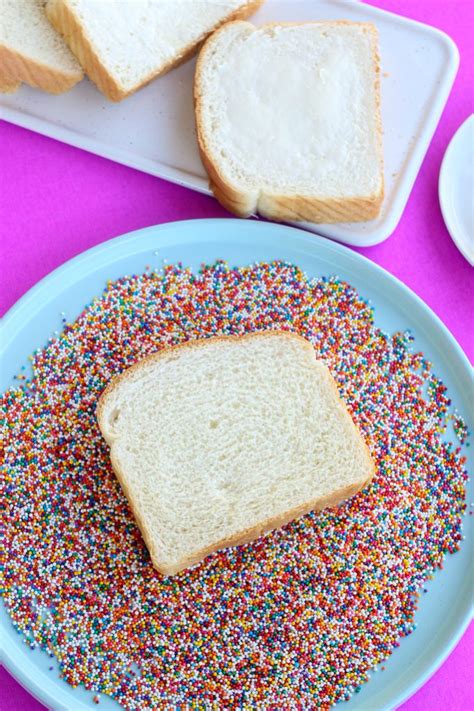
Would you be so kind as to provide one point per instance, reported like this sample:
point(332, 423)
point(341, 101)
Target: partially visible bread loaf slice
point(8, 86)
point(123, 46)
point(31, 51)
point(220, 440)
point(288, 120)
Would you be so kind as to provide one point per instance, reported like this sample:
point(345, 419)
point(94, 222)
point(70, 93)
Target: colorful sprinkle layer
point(296, 619)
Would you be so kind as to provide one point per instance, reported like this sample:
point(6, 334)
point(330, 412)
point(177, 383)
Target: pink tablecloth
point(57, 201)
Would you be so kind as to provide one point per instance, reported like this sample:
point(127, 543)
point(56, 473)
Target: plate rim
point(443, 178)
point(311, 238)
point(114, 245)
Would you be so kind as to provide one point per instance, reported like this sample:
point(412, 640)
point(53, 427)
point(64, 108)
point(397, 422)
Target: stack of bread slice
point(31, 51)
point(121, 46)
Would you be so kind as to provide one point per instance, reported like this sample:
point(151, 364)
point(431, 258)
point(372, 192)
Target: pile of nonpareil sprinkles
point(296, 619)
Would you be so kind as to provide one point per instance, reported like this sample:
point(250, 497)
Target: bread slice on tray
point(124, 45)
point(220, 440)
point(288, 120)
point(31, 51)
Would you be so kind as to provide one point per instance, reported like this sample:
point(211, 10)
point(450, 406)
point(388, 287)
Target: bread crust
point(289, 207)
point(8, 86)
point(253, 532)
point(20, 68)
point(68, 24)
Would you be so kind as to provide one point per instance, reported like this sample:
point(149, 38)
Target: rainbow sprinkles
point(298, 618)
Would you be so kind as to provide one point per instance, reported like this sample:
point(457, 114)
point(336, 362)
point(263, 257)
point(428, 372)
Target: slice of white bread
point(288, 120)
point(222, 439)
point(124, 45)
point(31, 51)
point(8, 86)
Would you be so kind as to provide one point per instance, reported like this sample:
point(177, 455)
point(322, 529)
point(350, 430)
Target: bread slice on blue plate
point(220, 440)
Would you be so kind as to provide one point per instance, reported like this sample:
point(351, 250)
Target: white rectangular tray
point(154, 129)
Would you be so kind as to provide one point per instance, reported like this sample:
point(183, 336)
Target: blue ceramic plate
point(443, 613)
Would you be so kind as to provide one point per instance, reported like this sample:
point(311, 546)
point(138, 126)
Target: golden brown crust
point(20, 68)
point(327, 210)
point(68, 24)
point(7, 85)
point(65, 21)
point(135, 511)
point(289, 207)
point(253, 532)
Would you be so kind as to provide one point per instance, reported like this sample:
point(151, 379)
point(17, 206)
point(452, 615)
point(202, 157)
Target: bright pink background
point(56, 201)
